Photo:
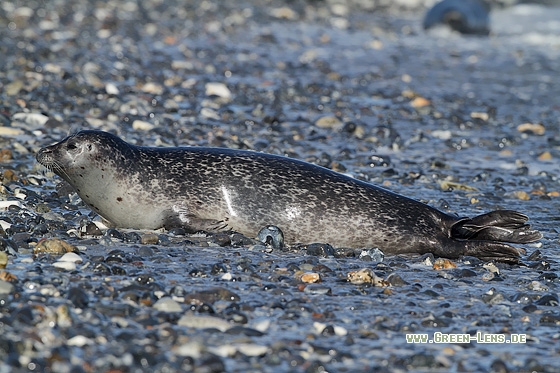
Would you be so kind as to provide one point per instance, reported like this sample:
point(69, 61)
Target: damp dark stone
point(320, 249)
point(547, 300)
point(114, 234)
point(272, 236)
point(92, 230)
point(78, 297)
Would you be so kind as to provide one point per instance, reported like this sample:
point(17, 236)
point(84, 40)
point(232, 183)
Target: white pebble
point(218, 89)
point(4, 224)
point(251, 349)
point(5, 287)
point(203, 322)
point(209, 113)
point(441, 134)
point(79, 341)
point(33, 119)
point(142, 125)
point(71, 257)
point(111, 89)
point(262, 325)
point(227, 276)
point(167, 304)
point(5, 204)
point(69, 266)
point(9, 131)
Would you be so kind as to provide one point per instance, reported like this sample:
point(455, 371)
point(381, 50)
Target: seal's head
point(73, 157)
point(100, 167)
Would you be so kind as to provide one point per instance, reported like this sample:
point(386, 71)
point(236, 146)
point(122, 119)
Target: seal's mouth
point(46, 158)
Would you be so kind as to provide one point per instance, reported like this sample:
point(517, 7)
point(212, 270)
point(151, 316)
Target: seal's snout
point(44, 156)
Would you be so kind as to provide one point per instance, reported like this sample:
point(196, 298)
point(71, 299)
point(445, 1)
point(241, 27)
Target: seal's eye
point(71, 146)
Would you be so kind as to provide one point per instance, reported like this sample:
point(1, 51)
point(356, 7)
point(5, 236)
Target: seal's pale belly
point(216, 189)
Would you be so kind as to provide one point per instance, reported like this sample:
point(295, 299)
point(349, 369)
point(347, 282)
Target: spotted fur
point(217, 189)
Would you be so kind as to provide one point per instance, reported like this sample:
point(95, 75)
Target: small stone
point(419, 102)
point(311, 278)
point(365, 276)
point(5, 204)
point(3, 259)
point(532, 128)
point(329, 122)
point(209, 113)
point(317, 289)
point(166, 304)
point(111, 89)
point(450, 185)
point(6, 287)
point(153, 88)
point(191, 320)
point(71, 257)
point(320, 249)
point(34, 120)
point(545, 156)
point(521, 195)
point(13, 88)
point(283, 13)
point(68, 266)
point(149, 239)
point(374, 255)
point(141, 125)
point(8, 176)
point(78, 297)
point(442, 134)
point(91, 229)
point(227, 277)
point(7, 276)
point(491, 267)
point(548, 300)
point(442, 263)
point(53, 246)
point(252, 349)
point(10, 131)
point(79, 341)
point(273, 236)
point(480, 115)
point(217, 89)
point(5, 155)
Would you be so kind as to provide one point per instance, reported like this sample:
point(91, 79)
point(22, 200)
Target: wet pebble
point(548, 300)
point(191, 320)
point(149, 239)
point(320, 249)
point(53, 246)
point(167, 304)
point(6, 287)
point(273, 236)
point(3, 259)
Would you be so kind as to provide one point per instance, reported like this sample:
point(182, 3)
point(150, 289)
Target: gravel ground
point(466, 124)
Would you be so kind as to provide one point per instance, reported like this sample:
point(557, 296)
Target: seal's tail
point(500, 226)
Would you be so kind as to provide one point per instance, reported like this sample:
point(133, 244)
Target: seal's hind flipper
point(484, 250)
point(499, 252)
point(500, 226)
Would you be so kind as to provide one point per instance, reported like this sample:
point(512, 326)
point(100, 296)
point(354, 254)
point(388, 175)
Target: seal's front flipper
point(484, 250)
point(500, 226)
point(180, 218)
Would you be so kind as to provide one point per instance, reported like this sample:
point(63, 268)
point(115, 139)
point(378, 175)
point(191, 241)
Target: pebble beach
point(467, 124)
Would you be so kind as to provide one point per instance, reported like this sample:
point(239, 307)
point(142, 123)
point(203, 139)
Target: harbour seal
point(217, 189)
point(465, 16)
